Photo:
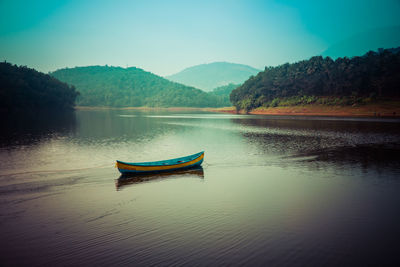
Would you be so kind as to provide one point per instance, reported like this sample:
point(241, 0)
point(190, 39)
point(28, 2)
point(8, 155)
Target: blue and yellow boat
point(187, 162)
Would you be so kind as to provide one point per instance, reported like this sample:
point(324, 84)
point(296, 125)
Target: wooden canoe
point(187, 162)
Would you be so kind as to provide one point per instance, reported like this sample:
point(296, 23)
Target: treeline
point(224, 92)
point(27, 90)
point(132, 87)
point(323, 80)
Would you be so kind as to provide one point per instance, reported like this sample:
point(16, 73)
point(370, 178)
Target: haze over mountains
point(134, 87)
point(210, 76)
point(363, 42)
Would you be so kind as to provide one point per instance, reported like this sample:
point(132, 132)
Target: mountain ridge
point(212, 75)
point(131, 87)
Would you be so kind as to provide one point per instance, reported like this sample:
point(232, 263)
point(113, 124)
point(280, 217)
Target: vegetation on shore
point(26, 90)
point(355, 81)
point(223, 92)
point(319, 85)
point(132, 87)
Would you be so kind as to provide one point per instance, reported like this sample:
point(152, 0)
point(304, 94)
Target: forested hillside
point(224, 92)
point(340, 82)
point(132, 87)
point(27, 90)
point(213, 75)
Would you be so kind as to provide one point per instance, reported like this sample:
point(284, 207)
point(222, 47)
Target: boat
point(182, 163)
point(132, 179)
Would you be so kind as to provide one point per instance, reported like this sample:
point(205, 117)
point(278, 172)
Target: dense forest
point(23, 89)
point(132, 87)
point(344, 81)
point(213, 75)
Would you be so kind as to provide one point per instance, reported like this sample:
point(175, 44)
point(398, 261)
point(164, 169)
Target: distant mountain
point(210, 76)
point(132, 87)
point(26, 90)
point(361, 43)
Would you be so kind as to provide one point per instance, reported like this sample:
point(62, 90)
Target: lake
point(276, 191)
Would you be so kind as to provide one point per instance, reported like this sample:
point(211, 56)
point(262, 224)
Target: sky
point(165, 37)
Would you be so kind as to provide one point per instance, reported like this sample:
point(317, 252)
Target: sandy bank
point(390, 109)
point(373, 110)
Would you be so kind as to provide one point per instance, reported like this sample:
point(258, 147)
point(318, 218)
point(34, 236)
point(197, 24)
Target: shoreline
point(386, 110)
point(390, 109)
point(142, 108)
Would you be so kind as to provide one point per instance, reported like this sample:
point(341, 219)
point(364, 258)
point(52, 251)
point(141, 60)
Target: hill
point(342, 81)
point(361, 43)
point(26, 90)
point(224, 92)
point(132, 87)
point(210, 76)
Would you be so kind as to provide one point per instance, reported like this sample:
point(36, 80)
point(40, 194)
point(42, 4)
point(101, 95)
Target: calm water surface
point(275, 191)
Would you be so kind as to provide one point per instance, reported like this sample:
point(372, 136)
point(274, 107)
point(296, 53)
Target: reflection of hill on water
point(125, 180)
point(314, 141)
point(28, 128)
point(367, 156)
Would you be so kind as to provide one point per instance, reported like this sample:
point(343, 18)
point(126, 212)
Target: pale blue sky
point(166, 36)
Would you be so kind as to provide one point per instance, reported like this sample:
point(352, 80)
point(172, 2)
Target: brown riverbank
point(386, 109)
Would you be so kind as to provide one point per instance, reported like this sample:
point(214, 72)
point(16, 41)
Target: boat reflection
point(125, 180)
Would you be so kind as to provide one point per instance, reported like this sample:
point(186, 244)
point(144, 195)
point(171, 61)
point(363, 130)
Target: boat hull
point(136, 178)
point(183, 163)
